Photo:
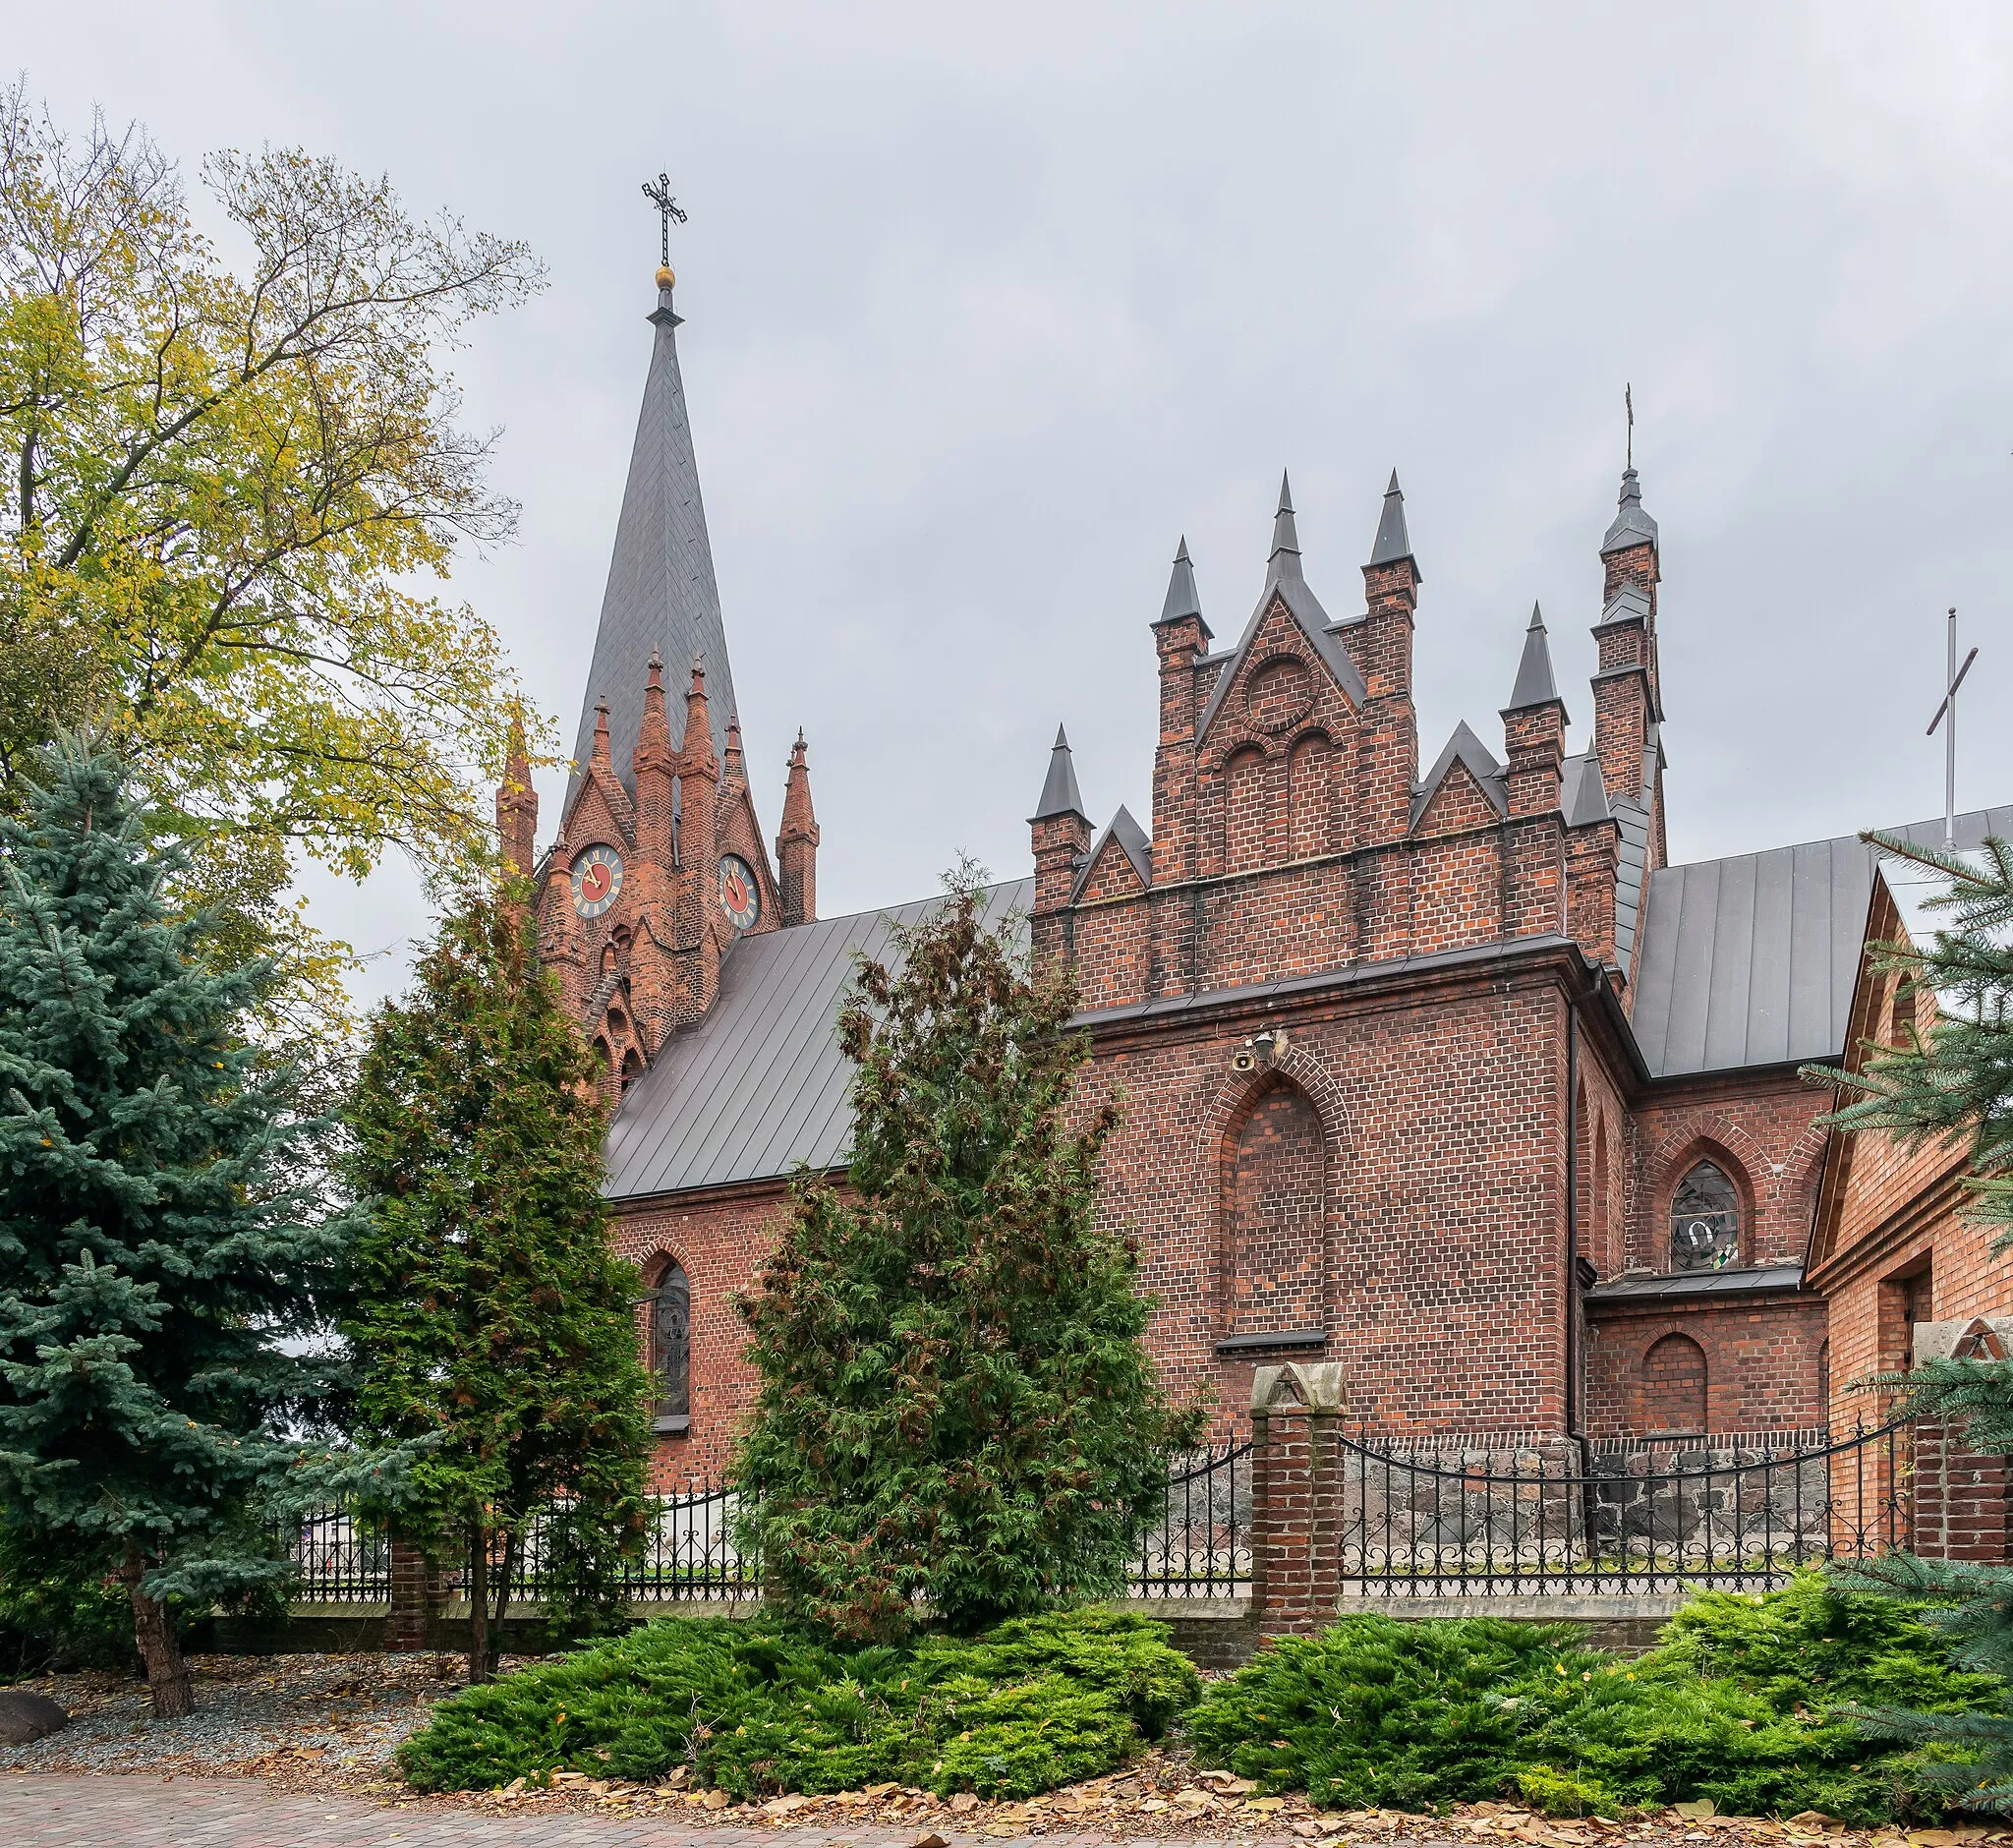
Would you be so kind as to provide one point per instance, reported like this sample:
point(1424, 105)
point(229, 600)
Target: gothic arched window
point(670, 1345)
point(1705, 1221)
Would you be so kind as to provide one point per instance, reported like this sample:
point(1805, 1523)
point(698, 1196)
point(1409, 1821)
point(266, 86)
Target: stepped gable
point(661, 598)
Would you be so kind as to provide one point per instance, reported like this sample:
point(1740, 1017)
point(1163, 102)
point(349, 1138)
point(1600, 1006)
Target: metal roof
point(759, 1085)
point(1060, 794)
point(1392, 542)
point(1534, 683)
point(1751, 961)
point(1753, 1280)
point(1632, 525)
point(661, 597)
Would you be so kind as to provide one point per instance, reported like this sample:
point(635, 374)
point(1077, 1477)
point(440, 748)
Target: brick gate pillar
point(1295, 1497)
point(1959, 1500)
point(416, 1593)
point(1959, 1497)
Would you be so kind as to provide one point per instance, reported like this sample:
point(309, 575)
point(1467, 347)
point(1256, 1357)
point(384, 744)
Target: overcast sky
point(985, 308)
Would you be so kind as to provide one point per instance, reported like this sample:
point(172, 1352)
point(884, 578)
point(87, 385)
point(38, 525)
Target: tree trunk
point(478, 1605)
point(506, 1574)
point(153, 1630)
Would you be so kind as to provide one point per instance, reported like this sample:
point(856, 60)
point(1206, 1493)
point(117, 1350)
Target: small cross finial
point(1627, 405)
point(659, 195)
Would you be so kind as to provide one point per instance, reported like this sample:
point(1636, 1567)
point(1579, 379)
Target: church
point(1444, 1073)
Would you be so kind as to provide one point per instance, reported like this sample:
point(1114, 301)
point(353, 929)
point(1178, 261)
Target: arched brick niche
point(1272, 1271)
point(1671, 1392)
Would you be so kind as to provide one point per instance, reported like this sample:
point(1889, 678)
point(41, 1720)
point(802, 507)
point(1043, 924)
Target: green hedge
point(756, 1707)
point(1733, 1706)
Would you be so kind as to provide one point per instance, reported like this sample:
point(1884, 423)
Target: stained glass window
point(1705, 1221)
point(671, 1340)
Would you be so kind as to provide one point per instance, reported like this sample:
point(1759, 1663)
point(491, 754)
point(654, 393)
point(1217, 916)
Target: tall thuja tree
point(1951, 1080)
point(955, 1400)
point(161, 1238)
point(493, 1318)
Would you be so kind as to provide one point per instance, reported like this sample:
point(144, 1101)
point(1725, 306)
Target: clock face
point(739, 896)
point(596, 881)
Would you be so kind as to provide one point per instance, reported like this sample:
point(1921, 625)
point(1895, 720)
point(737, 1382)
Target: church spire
point(661, 597)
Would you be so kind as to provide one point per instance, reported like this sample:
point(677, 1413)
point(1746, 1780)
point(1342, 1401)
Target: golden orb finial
point(665, 277)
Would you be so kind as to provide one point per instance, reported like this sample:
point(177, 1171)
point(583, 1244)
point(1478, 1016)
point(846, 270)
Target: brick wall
point(1762, 1366)
point(720, 1239)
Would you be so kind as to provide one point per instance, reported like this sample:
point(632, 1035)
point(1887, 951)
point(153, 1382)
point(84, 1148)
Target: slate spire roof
point(1060, 794)
point(1182, 600)
point(1393, 541)
point(1631, 526)
point(661, 597)
point(1534, 683)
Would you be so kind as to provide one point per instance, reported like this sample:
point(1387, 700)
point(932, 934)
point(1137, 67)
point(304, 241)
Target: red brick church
point(1443, 1074)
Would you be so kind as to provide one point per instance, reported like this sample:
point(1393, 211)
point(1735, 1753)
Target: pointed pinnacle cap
point(1632, 525)
point(1286, 538)
point(1181, 600)
point(1393, 543)
point(1534, 683)
point(1060, 794)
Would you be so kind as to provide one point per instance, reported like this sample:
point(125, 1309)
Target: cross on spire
point(1627, 405)
point(659, 195)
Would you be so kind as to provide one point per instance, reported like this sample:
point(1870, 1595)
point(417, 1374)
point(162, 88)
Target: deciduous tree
point(225, 486)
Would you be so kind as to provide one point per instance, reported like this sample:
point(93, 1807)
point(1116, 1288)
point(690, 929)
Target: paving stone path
point(44, 1810)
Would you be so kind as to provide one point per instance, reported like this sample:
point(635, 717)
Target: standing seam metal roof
point(759, 1085)
point(1751, 961)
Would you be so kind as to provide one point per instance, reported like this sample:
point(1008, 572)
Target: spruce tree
point(955, 1400)
point(1952, 1080)
point(493, 1321)
point(161, 1235)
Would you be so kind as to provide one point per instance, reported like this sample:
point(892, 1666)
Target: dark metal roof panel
point(759, 1085)
point(1753, 1280)
point(1751, 961)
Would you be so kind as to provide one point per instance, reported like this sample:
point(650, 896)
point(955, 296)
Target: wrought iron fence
point(1547, 1517)
point(1201, 1545)
point(342, 1560)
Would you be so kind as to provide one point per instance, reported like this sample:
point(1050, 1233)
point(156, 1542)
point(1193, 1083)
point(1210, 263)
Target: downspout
point(1573, 1433)
point(1572, 1218)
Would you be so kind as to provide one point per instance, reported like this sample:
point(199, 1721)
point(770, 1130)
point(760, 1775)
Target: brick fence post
point(416, 1592)
point(1959, 1497)
point(1295, 1497)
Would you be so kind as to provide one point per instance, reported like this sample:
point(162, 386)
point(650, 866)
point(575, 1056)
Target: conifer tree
point(1949, 1080)
point(493, 1319)
point(160, 1230)
point(956, 1402)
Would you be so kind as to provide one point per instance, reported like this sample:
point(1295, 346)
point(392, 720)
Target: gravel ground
point(332, 1719)
point(303, 1725)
